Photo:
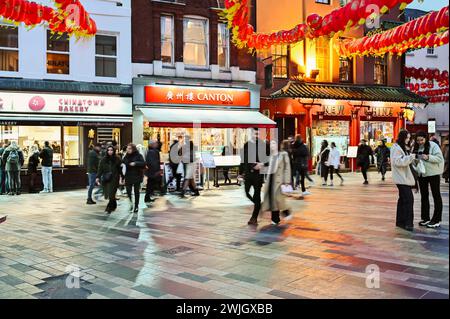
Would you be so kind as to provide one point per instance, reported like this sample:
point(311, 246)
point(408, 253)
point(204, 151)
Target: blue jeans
point(47, 178)
point(91, 182)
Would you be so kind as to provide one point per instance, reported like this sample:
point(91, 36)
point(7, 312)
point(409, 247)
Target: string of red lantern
point(422, 74)
point(354, 13)
point(427, 31)
point(69, 16)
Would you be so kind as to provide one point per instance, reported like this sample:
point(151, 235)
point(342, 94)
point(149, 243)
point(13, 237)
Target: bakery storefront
point(70, 122)
point(344, 114)
point(217, 114)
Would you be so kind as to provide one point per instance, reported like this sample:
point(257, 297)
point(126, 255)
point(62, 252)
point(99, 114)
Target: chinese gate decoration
point(69, 17)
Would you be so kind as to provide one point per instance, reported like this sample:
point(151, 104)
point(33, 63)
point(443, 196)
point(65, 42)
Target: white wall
point(111, 20)
point(440, 60)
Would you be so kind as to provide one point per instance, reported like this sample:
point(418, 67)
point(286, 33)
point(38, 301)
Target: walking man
point(153, 173)
point(93, 160)
point(254, 155)
point(364, 156)
point(300, 156)
point(2, 170)
point(47, 165)
point(383, 154)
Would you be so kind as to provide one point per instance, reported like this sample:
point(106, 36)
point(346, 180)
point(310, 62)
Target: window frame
point(225, 46)
point(432, 53)
point(14, 49)
point(47, 51)
point(349, 71)
point(275, 57)
point(207, 60)
point(328, 2)
point(385, 70)
point(172, 63)
point(116, 57)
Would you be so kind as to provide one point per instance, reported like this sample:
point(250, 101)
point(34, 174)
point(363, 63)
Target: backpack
point(13, 159)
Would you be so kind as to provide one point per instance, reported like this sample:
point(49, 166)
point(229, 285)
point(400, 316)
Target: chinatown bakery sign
point(196, 95)
point(64, 104)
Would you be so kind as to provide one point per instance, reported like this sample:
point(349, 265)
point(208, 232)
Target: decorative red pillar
point(355, 127)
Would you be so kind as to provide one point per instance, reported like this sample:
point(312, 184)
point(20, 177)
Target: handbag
point(286, 189)
point(106, 177)
point(420, 168)
point(180, 168)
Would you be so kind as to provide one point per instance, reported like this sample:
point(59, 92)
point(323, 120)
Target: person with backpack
point(300, 156)
point(134, 174)
point(13, 159)
point(323, 162)
point(47, 166)
point(33, 163)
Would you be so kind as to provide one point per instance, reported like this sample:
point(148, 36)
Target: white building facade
point(68, 91)
point(431, 58)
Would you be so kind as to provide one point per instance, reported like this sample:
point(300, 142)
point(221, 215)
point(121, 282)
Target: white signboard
point(352, 151)
point(431, 126)
point(37, 103)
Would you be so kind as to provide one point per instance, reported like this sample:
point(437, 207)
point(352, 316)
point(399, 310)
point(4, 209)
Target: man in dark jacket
point(93, 160)
point(47, 165)
point(254, 155)
point(364, 159)
point(2, 170)
point(135, 164)
point(383, 154)
point(300, 156)
point(153, 173)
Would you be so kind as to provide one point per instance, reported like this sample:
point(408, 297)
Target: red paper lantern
point(314, 21)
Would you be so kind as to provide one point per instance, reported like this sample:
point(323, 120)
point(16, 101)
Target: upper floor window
point(106, 56)
point(323, 57)
point(430, 51)
point(220, 4)
point(223, 46)
point(195, 42)
point(323, 1)
point(167, 40)
point(58, 53)
point(280, 61)
point(344, 2)
point(345, 70)
point(380, 70)
point(9, 49)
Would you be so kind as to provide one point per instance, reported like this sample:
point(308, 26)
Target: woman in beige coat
point(279, 173)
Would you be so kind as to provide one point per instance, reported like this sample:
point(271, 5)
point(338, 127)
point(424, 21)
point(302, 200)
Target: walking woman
point(108, 175)
point(323, 162)
point(188, 158)
point(226, 170)
point(33, 162)
point(334, 161)
point(134, 174)
point(279, 174)
point(430, 157)
point(403, 177)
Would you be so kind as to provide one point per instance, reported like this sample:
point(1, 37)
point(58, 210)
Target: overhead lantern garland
point(354, 13)
point(426, 89)
point(427, 31)
point(69, 17)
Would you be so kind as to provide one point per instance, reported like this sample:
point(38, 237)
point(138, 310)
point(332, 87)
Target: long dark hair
point(113, 156)
point(324, 145)
point(426, 145)
point(401, 139)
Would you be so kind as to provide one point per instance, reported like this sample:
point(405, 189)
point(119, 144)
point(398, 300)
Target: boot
point(136, 209)
point(196, 192)
point(90, 202)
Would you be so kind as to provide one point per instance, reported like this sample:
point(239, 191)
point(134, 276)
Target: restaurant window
point(380, 70)
point(223, 46)
point(195, 34)
point(58, 53)
point(374, 132)
point(106, 56)
point(72, 145)
point(280, 61)
point(345, 70)
point(9, 48)
point(167, 40)
point(323, 59)
point(332, 131)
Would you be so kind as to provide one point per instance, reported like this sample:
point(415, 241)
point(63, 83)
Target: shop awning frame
point(16, 117)
point(206, 118)
point(348, 92)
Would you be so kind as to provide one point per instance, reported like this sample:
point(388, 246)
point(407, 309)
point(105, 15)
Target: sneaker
point(424, 222)
point(434, 225)
point(274, 223)
point(365, 183)
point(43, 191)
point(288, 217)
point(331, 184)
point(252, 222)
point(90, 202)
point(305, 193)
point(342, 182)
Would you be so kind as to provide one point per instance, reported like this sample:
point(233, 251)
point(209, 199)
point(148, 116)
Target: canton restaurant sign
point(382, 111)
point(200, 96)
point(335, 110)
point(64, 104)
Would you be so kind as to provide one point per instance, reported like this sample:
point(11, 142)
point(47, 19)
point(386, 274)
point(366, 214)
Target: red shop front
point(343, 114)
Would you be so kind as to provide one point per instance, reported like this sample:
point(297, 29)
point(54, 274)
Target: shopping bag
point(287, 189)
point(180, 169)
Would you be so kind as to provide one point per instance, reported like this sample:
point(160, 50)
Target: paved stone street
point(202, 248)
